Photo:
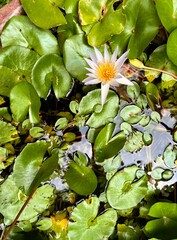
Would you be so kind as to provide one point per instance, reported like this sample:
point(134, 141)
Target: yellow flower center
point(106, 71)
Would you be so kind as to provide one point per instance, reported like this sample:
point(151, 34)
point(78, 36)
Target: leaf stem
point(19, 213)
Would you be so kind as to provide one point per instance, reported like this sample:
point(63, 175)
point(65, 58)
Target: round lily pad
point(123, 191)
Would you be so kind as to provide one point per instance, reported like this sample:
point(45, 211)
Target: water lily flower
point(106, 70)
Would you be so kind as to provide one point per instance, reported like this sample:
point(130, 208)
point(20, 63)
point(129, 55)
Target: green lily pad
point(140, 27)
point(21, 31)
point(9, 132)
point(172, 46)
point(86, 224)
point(134, 142)
point(20, 59)
point(106, 145)
point(44, 13)
point(99, 116)
point(8, 80)
point(24, 100)
point(123, 192)
point(81, 179)
point(167, 13)
point(131, 114)
point(164, 226)
point(111, 24)
point(74, 50)
point(12, 198)
point(50, 71)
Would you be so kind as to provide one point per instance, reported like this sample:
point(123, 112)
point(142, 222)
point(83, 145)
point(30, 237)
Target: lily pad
point(86, 224)
point(106, 145)
point(50, 71)
point(131, 114)
point(12, 198)
point(28, 163)
point(140, 27)
point(123, 192)
point(44, 13)
point(20, 59)
point(24, 100)
point(8, 80)
point(162, 227)
point(21, 31)
point(74, 50)
point(99, 116)
point(9, 133)
point(167, 13)
point(81, 179)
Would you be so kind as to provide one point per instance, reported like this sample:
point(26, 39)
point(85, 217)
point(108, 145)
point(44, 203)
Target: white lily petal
point(90, 70)
point(87, 79)
point(104, 92)
point(93, 81)
point(98, 54)
point(91, 63)
point(114, 55)
point(93, 56)
point(121, 60)
point(106, 54)
point(123, 80)
point(92, 75)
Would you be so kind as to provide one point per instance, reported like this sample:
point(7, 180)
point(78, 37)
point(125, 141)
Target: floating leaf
point(131, 114)
point(164, 226)
point(112, 23)
point(8, 80)
point(50, 71)
point(81, 179)
point(140, 27)
point(74, 50)
point(86, 225)
point(152, 94)
point(44, 13)
point(172, 46)
point(28, 163)
point(21, 31)
point(123, 192)
point(8, 133)
point(24, 100)
point(91, 104)
point(106, 145)
point(20, 59)
point(167, 13)
point(12, 198)
point(36, 132)
point(128, 232)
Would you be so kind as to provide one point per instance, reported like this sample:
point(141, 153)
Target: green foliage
point(86, 224)
point(49, 17)
point(82, 170)
point(123, 191)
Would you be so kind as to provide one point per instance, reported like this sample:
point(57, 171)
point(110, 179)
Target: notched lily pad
point(21, 31)
point(90, 104)
point(24, 101)
point(123, 191)
point(50, 71)
point(44, 13)
point(81, 179)
point(8, 133)
point(85, 224)
point(131, 114)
